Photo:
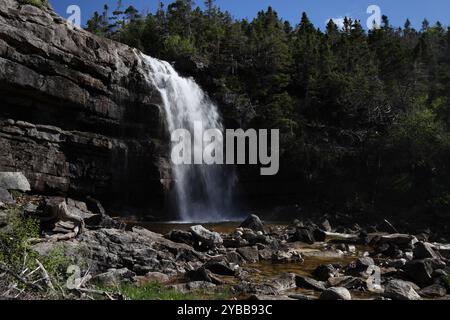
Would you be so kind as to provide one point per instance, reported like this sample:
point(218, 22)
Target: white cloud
point(338, 21)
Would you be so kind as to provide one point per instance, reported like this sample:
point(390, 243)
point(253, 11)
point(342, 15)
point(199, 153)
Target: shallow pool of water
point(222, 227)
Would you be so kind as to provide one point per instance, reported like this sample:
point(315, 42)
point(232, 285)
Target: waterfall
point(203, 193)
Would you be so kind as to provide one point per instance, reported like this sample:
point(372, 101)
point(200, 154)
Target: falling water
point(203, 193)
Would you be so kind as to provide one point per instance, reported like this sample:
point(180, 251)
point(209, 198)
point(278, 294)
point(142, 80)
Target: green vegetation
point(157, 291)
point(37, 3)
point(15, 248)
point(364, 116)
point(18, 256)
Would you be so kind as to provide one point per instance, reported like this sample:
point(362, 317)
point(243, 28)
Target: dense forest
point(364, 116)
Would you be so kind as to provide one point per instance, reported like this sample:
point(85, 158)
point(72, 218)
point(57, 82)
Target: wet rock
point(423, 251)
point(348, 282)
point(14, 181)
point(203, 274)
point(402, 241)
point(396, 263)
point(266, 254)
point(360, 266)
point(324, 272)
point(220, 267)
point(6, 197)
point(364, 262)
point(235, 241)
point(254, 223)
point(286, 256)
point(433, 291)
point(319, 235)
point(335, 293)
point(305, 235)
point(234, 257)
point(420, 271)
point(400, 290)
point(309, 283)
point(250, 254)
point(206, 239)
point(181, 236)
point(283, 282)
point(302, 297)
point(252, 237)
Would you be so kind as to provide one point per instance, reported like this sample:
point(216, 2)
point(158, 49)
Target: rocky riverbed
point(301, 260)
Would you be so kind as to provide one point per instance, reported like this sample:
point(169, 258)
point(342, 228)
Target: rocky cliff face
point(77, 115)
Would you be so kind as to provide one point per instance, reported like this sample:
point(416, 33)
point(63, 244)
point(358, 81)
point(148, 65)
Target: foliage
point(362, 115)
point(157, 291)
point(57, 262)
point(15, 248)
point(37, 3)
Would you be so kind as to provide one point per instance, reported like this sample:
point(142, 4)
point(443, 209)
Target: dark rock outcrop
point(77, 115)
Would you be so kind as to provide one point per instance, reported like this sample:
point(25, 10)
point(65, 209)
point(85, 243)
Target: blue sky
point(318, 10)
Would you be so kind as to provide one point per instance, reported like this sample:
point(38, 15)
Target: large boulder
point(220, 267)
point(348, 282)
point(402, 241)
point(433, 291)
point(400, 290)
point(309, 283)
point(420, 271)
point(325, 271)
point(423, 250)
point(304, 234)
point(254, 223)
point(181, 236)
point(250, 254)
point(14, 181)
point(139, 250)
point(206, 239)
point(336, 293)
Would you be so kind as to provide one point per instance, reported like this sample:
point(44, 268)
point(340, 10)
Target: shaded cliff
point(77, 115)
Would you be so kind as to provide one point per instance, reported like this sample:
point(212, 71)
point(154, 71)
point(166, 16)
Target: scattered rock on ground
point(309, 283)
point(433, 291)
point(336, 293)
point(420, 271)
point(250, 254)
point(400, 290)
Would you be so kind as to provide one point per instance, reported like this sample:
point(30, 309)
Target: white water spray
point(203, 192)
